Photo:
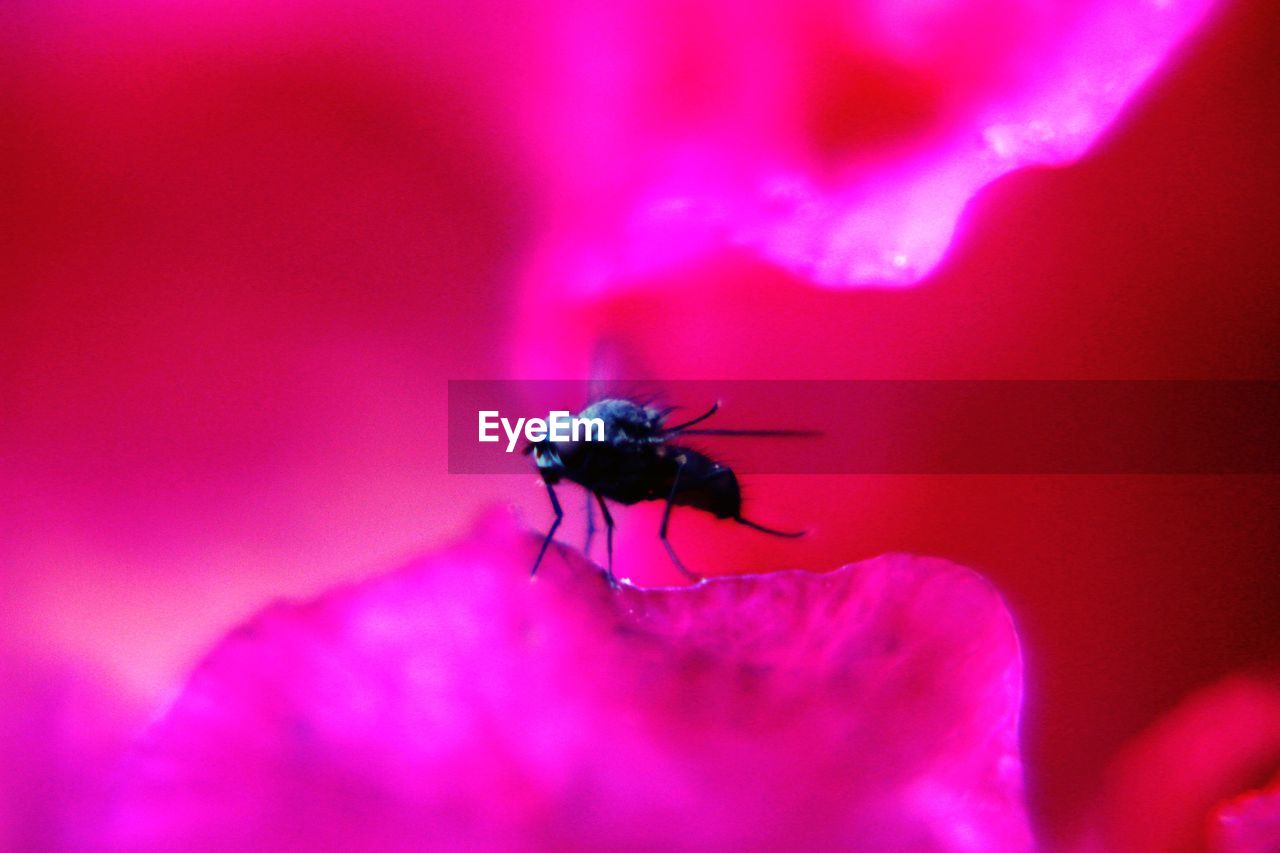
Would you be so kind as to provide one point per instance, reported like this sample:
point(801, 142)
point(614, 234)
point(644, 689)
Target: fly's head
point(546, 455)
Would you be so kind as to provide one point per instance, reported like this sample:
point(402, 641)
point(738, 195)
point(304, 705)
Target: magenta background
point(240, 268)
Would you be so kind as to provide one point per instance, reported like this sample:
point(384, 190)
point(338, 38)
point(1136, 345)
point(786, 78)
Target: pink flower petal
point(1248, 824)
point(1162, 790)
point(455, 702)
point(839, 141)
point(62, 732)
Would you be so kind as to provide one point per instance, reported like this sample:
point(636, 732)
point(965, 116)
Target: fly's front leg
point(608, 526)
point(591, 525)
point(555, 505)
point(666, 520)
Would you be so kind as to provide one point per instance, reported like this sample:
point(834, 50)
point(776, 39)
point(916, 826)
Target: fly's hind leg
point(555, 505)
point(666, 521)
point(608, 526)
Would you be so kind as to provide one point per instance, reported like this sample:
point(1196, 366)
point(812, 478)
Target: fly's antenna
point(683, 429)
point(785, 534)
point(699, 419)
point(762, 433)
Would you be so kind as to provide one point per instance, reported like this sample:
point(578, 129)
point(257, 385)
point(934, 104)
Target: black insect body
point(637, 462)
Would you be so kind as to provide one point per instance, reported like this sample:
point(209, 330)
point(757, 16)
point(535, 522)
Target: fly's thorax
point(626, 422)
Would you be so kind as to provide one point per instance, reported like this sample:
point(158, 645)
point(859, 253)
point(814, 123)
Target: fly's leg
point(608, 526)
point(591, 525)
point(666, 520)
point(555, 505)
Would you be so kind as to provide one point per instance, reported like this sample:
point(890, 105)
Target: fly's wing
point(615, 467)
point(609, 364)
point(618, 373)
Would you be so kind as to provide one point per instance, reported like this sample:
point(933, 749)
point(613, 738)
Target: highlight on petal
point(456, 702)
point(840, 141)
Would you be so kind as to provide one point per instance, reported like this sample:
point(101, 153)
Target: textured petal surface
point(456, 702)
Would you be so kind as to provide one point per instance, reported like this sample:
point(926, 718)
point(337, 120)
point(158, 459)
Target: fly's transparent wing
point(618, 373)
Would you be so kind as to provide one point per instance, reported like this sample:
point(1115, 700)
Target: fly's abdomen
point(706, 485)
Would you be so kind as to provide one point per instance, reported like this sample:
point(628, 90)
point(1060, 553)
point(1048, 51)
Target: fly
point(637, 461)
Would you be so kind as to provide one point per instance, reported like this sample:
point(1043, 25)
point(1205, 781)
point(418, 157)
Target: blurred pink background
point(245, 247)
